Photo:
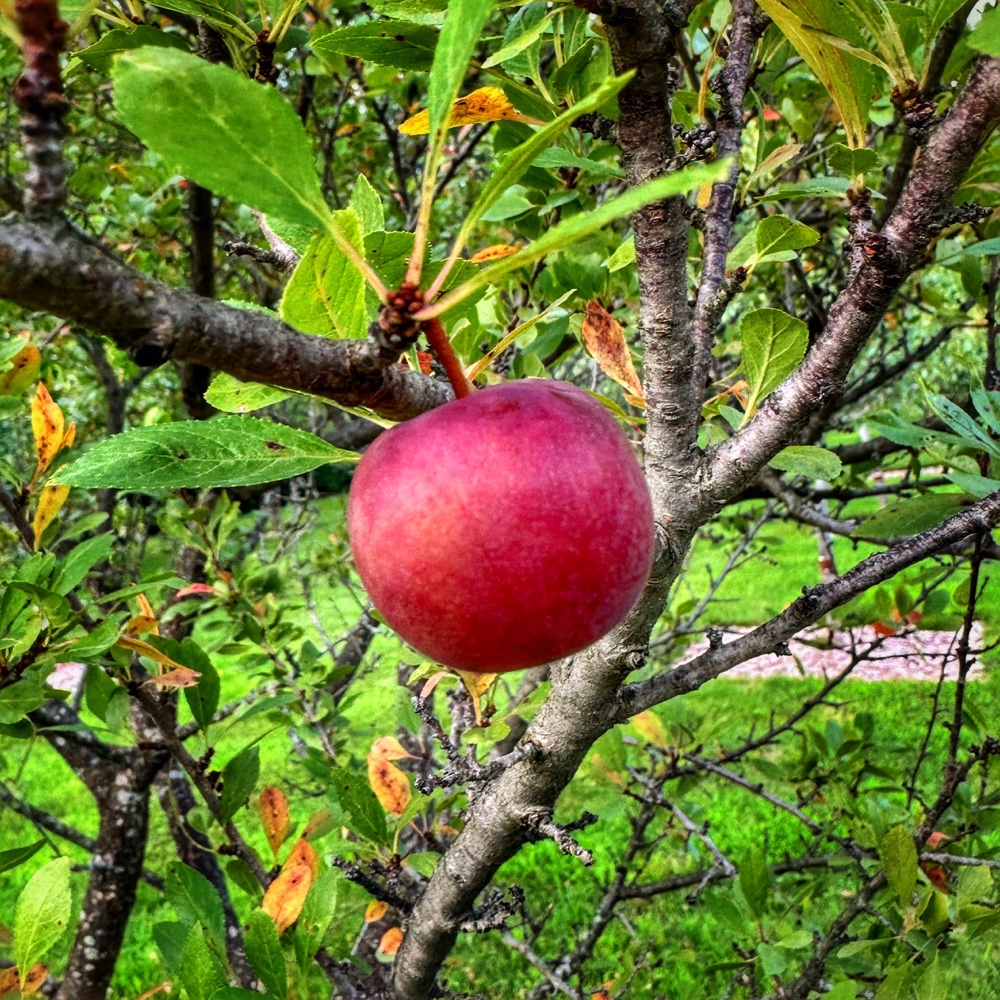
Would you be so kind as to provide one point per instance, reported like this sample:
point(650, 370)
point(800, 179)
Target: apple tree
point(242, 242)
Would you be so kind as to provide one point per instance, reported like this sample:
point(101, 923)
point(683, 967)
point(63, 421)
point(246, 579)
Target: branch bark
point(50, 266)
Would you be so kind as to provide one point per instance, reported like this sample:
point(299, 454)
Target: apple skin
point(503, 530)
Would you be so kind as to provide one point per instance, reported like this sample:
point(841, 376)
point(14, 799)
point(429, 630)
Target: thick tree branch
point(887, 260)
point(50, 266)
point(807, 609)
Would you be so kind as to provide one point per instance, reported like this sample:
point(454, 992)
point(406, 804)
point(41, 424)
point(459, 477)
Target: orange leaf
point(179, 677)
point(142, 623)
point(48, 427)
point(151, 652)
point(432, 682)
point(68, 438)
point(881, 628)
point(303, 853)
point(605, 340)
point(162, 988)
point(390, 785)
point(425, 359)
point(194, 588)
point(388, 748)
point(938, 877)
point(495, 252)
point(375, 911)
point(476, 685)
point(10, 981)
point(50, 502)
point(25, 366)
point(488, 104)
point(391, 940)
point(286, 895)
point(274, 816)
point(650, 727)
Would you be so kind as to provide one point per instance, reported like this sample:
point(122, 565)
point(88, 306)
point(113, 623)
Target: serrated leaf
point(195, 901)
point(239, 777)
point(910, 516)
point(899, 860)
point(774, 344)
point(226, 451)
point(233, 396)
point(399, 44)
point(82, 558)
point(201, 972)
point(808, 460)
point(203, 699)
point(368, 206)
point(20, 698)
point(265, 955)
point(318, 911)
point(222, 130)
point(43, 914)
point(367, 818)
point(101, 54)
point(326, 294)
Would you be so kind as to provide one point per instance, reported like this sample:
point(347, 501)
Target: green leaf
point(985, 37)
point(977, 486)
point(318, 912)
point(98, 691)
point(326, 294)
point(18, 855)
point(201, 972)
point(574, 229)
point(358, 800)
point(99, 641)
point(80, 560)
point(779, 234)
point(264, 953)
point(101, 54)
point(774, 344)
point(526, 38)
point(847, 78)
point(808, 460)
point(203, 698)
point(896, 985)
point(755, 880)
point(910, 516)
point(399, 44)
point(849, 161)
point(195, 901)
point(43, 914)
point(899, 859)
point(221, 129)
point(463, 25)
point(933, 981)
point(21, 698)
point(170, 937)
point(623, 255)
point(239, 777)
point(226, 451)
point(368, 206)
point(233, 396)
point(554, 158)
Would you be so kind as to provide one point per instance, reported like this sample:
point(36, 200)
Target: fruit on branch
point(503, 530)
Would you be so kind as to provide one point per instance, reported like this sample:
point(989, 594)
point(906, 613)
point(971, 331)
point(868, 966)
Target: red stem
point(441, 346)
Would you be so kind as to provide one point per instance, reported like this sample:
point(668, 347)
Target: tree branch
point(887, 260)
point(50, 266)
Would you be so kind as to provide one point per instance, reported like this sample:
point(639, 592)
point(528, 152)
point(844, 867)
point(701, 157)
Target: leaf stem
point(441, 346)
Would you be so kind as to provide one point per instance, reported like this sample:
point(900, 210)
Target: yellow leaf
point(140, 624)
point(181, 677)
point(50, 502)
point(48, 427)
point(391, 940)
point(389, 748)
point(650, 727)
point(495, 252)
point(68, 438)
point(23, 371)
point(605, 340)
point(375, 911)
point(274, 816)
point(477, 685)
point(488, 104)
point(303, 853)
point(286, 895)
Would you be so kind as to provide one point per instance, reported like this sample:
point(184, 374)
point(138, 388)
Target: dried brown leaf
point(605, 340)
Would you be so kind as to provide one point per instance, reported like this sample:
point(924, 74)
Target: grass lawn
point(722, 713)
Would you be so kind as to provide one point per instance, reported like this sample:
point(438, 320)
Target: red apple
point(503, 530)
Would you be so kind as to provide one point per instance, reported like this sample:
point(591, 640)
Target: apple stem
point(441, 346)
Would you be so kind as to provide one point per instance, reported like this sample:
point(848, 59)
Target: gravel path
point(914, 656)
